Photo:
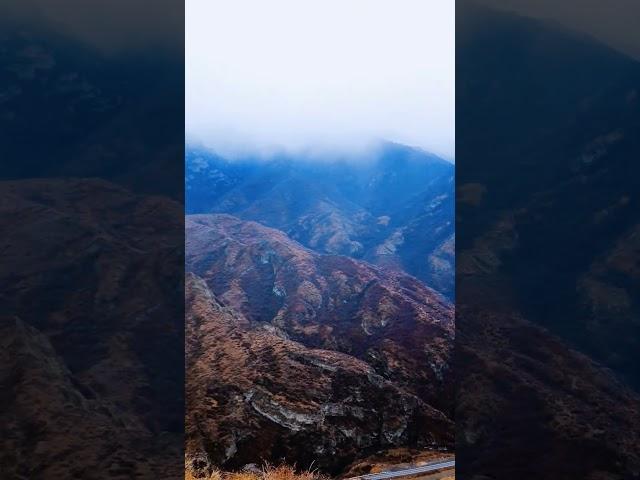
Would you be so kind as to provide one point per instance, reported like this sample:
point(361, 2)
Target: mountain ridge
point(360, 209)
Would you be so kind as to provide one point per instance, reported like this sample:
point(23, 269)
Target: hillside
point(308, 357)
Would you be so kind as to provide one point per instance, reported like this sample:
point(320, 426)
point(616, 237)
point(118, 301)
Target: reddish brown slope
point(387, 319)
point(253, 395)
point(341, 357)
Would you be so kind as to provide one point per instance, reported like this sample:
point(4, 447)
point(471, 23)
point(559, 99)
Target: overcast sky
point(329, 74)
point(334, 73)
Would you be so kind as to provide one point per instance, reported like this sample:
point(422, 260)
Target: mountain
point(305, 356)
point(92, 369)
point(394, 207)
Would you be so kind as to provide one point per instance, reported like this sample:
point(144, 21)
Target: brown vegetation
point(267, 472)
point(317, 359)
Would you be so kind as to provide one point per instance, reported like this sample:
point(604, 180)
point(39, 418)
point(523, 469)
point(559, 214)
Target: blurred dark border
point(92, 251)
point(548, 229)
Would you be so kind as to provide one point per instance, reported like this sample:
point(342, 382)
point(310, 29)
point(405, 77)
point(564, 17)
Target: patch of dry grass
point(188, 475)
point(268, 472)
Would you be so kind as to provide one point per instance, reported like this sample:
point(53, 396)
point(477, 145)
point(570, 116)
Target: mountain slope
point(376, 344)
point(362, 208)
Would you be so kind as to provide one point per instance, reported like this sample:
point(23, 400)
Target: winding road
point(430, 467)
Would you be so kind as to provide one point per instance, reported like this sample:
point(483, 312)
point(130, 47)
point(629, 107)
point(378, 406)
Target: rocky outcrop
point(308, 357)
point(253, 395)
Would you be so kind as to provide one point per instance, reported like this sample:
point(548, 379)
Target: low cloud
point(324, 75)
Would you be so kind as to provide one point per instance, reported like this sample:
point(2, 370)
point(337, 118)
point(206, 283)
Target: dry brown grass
point(268, 472)
point(188, 475)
